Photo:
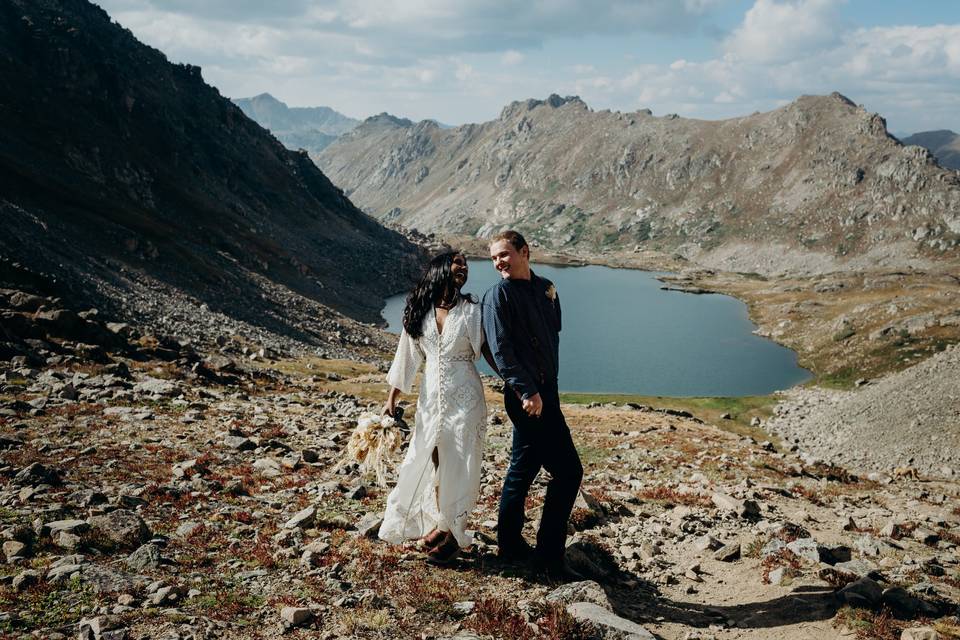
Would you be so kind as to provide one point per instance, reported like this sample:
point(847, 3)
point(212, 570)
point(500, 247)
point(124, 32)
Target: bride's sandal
point(446, 551)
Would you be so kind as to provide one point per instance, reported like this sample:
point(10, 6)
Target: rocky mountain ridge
point(133, 186)
point(310, 128)
point(943, 144)
point(820, 179)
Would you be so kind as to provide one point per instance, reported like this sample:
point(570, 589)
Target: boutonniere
point(552, 292)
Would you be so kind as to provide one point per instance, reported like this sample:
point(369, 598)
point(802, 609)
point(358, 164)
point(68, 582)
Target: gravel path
point(911, 418)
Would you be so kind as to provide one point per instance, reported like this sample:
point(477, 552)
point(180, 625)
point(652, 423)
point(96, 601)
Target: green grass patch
point(591, 454)
point(47, 605)
point(10, 516)
point(842, 379)
point(709, 409)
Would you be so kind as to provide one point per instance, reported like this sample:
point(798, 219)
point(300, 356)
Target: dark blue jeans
point(539, 442)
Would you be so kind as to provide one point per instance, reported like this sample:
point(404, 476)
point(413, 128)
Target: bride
point(439, 479)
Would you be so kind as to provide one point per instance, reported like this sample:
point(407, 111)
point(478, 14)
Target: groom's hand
point(533, 406)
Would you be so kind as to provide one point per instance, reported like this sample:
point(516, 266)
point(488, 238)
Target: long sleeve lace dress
point(451, 418)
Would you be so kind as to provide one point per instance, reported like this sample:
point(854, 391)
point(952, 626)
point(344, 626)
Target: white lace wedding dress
point(451, 417)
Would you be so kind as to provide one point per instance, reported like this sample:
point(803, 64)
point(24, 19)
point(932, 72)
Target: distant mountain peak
point(266, 97)
point(386, 118)
point(820, 175)
point(553, 100)
point(310, 128)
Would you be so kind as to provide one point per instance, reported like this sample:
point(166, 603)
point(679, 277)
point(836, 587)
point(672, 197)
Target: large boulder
point(36, 474)
point(609, 625)
point(583, 591)
point(121, 528)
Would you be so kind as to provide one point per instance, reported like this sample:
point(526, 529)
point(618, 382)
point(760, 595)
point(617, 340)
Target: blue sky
point(462, 60)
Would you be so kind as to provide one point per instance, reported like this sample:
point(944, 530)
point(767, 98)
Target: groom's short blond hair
point(511, 236)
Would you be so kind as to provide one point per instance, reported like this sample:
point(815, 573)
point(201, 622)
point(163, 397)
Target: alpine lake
point(624, 334)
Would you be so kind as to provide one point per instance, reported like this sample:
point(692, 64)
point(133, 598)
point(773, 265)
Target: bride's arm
point(391, 404)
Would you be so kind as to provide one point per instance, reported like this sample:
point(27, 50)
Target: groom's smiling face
point(510, 263)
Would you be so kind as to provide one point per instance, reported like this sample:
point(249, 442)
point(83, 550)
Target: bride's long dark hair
point(435, 285)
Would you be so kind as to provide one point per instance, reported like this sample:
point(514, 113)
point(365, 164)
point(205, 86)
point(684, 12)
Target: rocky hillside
point(132, 185)
point(944, 144)
point(310, 128)
point(819, 177)
point(170, 493)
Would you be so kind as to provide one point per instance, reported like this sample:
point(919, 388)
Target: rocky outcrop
point(310, 128)
point(943, 144)
point(133, 186)
point(819, 177)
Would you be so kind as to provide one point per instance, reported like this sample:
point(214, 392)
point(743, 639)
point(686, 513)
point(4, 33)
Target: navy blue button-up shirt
point(521, 320)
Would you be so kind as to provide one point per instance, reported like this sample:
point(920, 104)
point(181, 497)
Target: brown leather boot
point(446, 551)
point(431, 540)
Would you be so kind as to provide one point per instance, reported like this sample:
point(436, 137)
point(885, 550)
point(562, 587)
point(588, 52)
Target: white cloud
point(461, 61)
point(511, 58)
point(464, 72)
point(774, 32)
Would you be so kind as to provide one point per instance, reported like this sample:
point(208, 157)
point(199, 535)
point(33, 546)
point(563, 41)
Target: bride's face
point(459, 269)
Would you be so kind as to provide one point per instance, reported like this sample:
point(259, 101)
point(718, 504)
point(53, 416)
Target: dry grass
point(670, 496)
point(782, 558)
point(870, 625)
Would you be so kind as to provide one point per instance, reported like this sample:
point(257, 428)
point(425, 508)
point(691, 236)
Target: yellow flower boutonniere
point(552, 293)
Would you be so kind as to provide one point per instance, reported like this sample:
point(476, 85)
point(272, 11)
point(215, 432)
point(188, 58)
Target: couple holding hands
point(516, 328)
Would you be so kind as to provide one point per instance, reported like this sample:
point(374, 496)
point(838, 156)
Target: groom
point(521, 319)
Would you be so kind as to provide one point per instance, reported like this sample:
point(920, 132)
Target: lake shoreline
point(800, 312)
point(625, 332)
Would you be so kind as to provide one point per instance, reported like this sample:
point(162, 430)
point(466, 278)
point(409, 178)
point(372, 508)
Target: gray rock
point(609, 625)
point(156, 387)
point(146, 557)
point(464, 608)
point(103, 579)
point(36, 474)
point(728, 552)
point(101, 628)
point(707, 543)
point(296, 616)
point(187, 528)
point(856, 568)
point(864, 592)
point(69, 526)
point(742, 508)
point(239, 443)
point(772, 548)
point(805, 548)
point(834, 553)
point(925, 536)
point(779, 577)
point(268, 467)
point(369, 525)
point(61, 572)
point(920, 633)
point(25, 579)
point(357, 492)
point(584, 591)
point(14, 549)
point(870, 546)
point(120, 528)
point(302, 519)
